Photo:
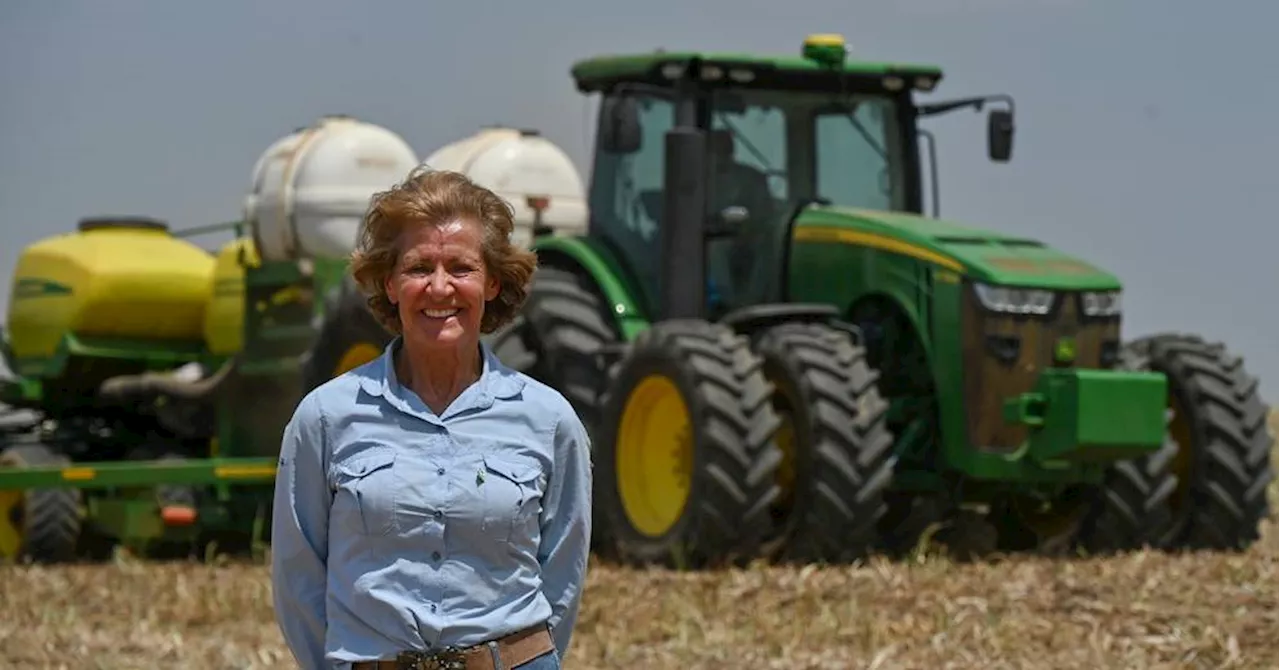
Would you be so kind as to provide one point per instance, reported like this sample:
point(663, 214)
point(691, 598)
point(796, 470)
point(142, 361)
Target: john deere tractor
point(779, 353)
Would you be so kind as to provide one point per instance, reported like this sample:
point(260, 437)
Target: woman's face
point(440, 284)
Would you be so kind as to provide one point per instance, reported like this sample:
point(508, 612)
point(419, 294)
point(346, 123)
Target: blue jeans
point(547, 661)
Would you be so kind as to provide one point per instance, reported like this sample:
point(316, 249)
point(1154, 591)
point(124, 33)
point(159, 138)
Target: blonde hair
point(431, 198)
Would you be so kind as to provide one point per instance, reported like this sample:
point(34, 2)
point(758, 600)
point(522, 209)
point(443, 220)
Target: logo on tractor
point(1065, 350)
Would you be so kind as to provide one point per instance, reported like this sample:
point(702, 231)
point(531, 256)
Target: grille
point(1004, 354)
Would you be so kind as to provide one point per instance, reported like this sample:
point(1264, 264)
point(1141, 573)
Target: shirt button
point(435, 556)
point(440, 471)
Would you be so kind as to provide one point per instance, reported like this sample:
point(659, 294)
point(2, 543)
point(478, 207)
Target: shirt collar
point(497, 381)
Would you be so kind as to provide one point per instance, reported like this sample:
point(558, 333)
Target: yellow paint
point(243, 471)
point(825, 40)
point(224, 316)
point(1041, 267)
point(10, 534)
point(122, 282)
point(654, 456)
point(358, 354)
point(78, 474)
point(874, 241)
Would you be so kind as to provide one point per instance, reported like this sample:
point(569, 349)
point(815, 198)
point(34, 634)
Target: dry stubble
point(1143, 610)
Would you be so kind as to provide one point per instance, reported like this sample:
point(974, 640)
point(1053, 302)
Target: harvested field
point(1143, 610)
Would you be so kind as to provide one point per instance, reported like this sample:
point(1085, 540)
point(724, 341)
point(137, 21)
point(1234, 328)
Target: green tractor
point(779, 354)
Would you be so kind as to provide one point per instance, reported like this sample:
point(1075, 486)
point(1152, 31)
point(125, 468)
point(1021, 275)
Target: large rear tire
point(38, 525)
point(835, 440)
point(558, 338)
point(349, 336)
point(1207, 487)
point(686, 458)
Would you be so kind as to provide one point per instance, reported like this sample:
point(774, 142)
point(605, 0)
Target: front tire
point(1207, 487)
point(836, 436)
point(349, 336)
point(686, 458)
point(38, 525)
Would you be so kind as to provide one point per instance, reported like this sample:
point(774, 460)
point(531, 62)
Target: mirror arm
point(977, 103)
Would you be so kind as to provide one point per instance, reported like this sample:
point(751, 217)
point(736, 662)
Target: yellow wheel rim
point(10, 535)
point(654, 456)
point(356, 355)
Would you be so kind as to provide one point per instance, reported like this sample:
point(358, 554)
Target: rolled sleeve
point(566, 528)
point(299, 535)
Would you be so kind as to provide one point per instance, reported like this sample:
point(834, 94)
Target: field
point(1142, 610)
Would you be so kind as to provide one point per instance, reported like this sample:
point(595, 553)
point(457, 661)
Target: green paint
point(98, 475)
point(607, 272)
point(1091, 415)
point(984, 255)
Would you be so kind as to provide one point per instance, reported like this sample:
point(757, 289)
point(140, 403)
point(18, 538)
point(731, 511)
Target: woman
point(433, 501)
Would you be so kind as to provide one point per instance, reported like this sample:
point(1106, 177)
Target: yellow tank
point(224, 318)
point(112, 278)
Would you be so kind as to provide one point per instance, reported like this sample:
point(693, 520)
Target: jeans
point(547, 661)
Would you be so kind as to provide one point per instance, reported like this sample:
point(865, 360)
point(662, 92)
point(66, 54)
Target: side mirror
point(1000, 135)
point(620, 130)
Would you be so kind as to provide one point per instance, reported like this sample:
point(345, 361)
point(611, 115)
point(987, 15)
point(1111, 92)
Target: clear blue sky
point(1146, 128)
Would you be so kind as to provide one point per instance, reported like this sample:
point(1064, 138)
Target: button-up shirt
point(398, 529)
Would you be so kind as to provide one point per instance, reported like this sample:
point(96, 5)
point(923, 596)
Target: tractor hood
point(983, 255)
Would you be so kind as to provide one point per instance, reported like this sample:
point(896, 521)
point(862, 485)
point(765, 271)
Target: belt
point(511, 650)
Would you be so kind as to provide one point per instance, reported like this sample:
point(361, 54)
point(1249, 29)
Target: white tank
point(311, 188)
point(525, 169)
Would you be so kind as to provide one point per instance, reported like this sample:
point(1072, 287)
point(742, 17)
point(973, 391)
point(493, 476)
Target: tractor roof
point(821, 65)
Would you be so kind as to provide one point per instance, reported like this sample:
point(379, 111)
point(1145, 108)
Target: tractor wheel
point(557, 338)
point(838, 451)
point(38, 525)
point(1207, 488)
point(686, 457)
point(349, 336)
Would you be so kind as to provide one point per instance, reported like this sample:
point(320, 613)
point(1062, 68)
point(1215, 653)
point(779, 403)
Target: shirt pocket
point(512, 494)
point(366, 490)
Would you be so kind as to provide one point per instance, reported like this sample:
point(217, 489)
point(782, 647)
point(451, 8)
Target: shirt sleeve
point(300, 535)
point(566, 528)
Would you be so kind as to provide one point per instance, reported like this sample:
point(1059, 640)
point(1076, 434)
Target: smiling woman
point(433, 502)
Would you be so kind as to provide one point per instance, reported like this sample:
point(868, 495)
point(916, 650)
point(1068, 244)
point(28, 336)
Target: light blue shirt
point(396, 529)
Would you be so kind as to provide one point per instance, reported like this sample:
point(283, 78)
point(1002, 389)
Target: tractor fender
point(593, 260)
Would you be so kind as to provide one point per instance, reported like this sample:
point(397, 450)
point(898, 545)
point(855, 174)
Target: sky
point(1145, 128)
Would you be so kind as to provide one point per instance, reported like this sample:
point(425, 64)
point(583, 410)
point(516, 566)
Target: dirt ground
point(1142, 610)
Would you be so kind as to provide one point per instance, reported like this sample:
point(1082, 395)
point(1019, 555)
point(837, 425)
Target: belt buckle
point(449, 658)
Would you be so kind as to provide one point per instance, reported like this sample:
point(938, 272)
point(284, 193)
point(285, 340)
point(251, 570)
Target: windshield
point(846, 149)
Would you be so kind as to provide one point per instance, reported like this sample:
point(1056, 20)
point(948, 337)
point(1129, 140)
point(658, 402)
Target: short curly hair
point(435, 197)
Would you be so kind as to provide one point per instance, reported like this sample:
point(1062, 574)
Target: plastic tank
point(125, 278)
point(224, 315)
point(529, 171)
point(311, 188)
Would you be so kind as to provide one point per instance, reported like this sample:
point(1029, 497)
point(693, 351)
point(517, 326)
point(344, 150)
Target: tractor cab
point(777, 134)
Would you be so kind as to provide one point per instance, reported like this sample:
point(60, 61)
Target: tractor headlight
point(1100, 303)
point(1014, 300)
